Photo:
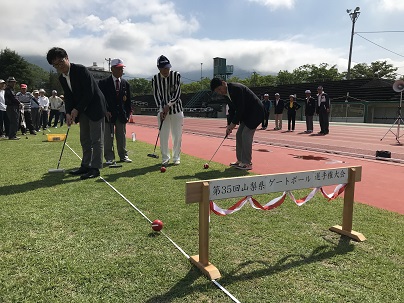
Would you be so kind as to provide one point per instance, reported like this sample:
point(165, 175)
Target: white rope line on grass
point(163, 233)
point(225, 291)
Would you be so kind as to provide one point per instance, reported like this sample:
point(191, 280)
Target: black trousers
point(4, 123)
point(291, 119)
point(324, 121)
point(13, 113)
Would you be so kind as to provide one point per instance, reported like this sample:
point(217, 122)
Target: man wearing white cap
point(167, 92)
point(279, 106)
point(309, 110)
point(117, 94)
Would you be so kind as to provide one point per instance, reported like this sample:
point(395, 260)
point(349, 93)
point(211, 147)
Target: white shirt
point(3, 105)
point(67, 77)
point(43, 102)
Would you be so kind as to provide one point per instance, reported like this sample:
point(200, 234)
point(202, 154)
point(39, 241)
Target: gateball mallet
point(153, 155)
point(206, 165)
point(59, 170)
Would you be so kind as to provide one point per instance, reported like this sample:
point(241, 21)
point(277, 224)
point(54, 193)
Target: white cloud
point(138, 31)
point(275, 4)
point(391, 5)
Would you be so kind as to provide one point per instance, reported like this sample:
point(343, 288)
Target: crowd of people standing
point(318, 105)
point(26, 111)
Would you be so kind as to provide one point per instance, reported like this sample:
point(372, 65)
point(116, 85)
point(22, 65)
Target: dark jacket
point(278, 109)
point(85, 95)
point(10, 98)
point(324, 103)
point(119, 106)
point(310, 107)
point(294, 107)
point(244, 106)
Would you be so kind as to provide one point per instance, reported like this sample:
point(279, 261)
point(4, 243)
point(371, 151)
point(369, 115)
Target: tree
point(12, 64)
point(376, 70)
point(140, 86)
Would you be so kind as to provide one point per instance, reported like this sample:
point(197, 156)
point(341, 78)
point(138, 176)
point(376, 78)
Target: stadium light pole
point(201, 75)
point(354, 16)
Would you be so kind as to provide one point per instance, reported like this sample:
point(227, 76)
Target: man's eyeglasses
point(59, 63)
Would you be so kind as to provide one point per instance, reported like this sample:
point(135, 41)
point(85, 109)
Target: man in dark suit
point(323, 110)
point(309, 110)
point(85, 104)
point(279, 106)
point(246, 109)
point(117, 94)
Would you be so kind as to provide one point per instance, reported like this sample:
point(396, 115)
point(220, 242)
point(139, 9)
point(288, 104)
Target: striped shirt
point(25, 99)
point(167, 91)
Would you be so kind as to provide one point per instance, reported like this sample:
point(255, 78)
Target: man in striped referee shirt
point(167, 92)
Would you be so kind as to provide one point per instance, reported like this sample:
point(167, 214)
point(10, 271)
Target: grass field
point(66, 240)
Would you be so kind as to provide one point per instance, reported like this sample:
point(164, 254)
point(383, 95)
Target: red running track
point(280, 151)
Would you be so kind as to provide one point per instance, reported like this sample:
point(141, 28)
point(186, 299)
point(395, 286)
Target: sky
point(263, 36)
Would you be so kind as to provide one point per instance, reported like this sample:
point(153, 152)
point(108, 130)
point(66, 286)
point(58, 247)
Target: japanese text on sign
point(254, 185)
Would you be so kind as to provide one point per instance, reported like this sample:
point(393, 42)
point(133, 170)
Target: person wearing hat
point(25, 98)
point(292, 107)
point(323, 110)
point(13, 108)
point(35, 114)
point(309, 110)
point(85, 104)
point(267, 106)
point(62, 111)
point(55, 103)
point(117, 94)
point(279, 106)
point(4, 123)
point(167, 92)
point(44, 108)
point(245, 109)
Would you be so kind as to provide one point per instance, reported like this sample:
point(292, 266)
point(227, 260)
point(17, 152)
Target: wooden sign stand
point(199, 192)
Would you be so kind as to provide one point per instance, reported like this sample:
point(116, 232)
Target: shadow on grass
point(185, 286)
point(47, 180)
point(114, 174)
point(182, 288)
point(321, 253)
point(208, 174)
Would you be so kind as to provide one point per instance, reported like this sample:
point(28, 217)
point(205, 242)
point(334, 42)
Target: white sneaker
point(177, 162)
point(109, 162)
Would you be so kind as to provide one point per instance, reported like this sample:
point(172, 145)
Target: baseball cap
point(277, 94)
point(35, 91)
point(23, 86)
point(11, 79)
point(307, 91)
point(2, 81)
point(41, 90)
point(163, 62)
point(266, 95)
point(117, 62)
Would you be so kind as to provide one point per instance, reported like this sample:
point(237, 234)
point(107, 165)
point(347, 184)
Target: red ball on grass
point(163, 169)
point(206, 166)
point(157, 225)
